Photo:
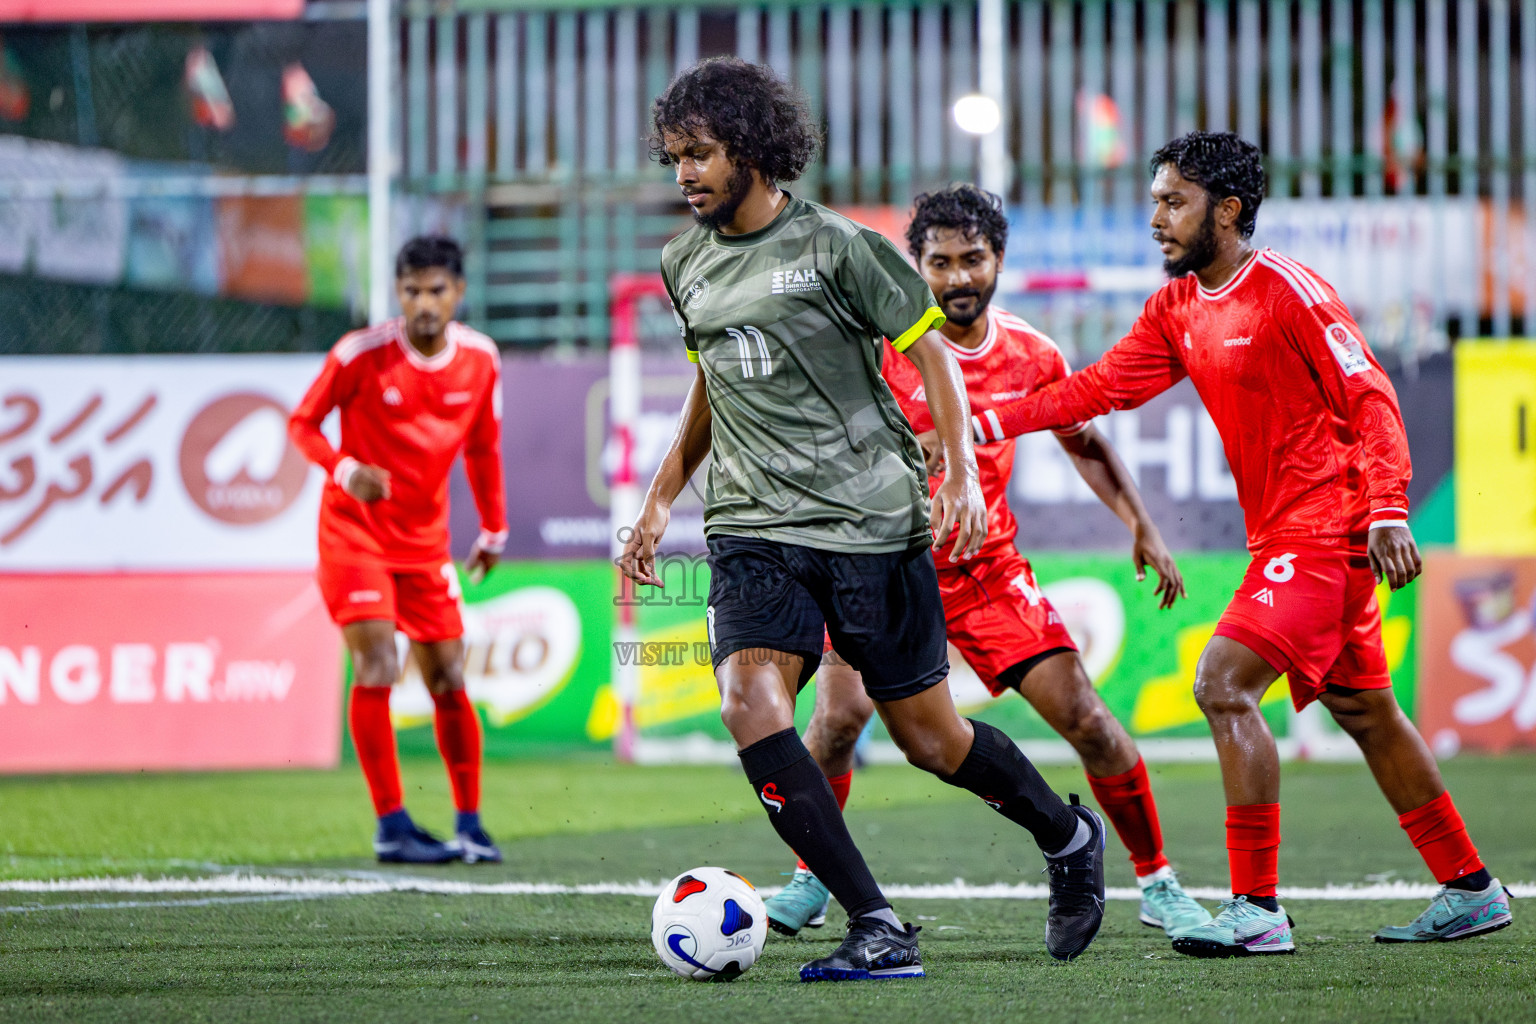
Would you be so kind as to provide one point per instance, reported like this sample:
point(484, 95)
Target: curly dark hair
point(426, 251)
point(1224, 165)
point(762, 120)
point(965, 207)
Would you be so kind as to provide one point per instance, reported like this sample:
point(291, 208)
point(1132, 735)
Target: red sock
point(840, 785)
point(458, 739)
point(1441, 838)
point(374, 739)
point(1127, 800)
point(1253, 848)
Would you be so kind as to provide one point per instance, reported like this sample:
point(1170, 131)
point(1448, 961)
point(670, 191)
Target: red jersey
point(1013, 360)
point(1309, 421)
point(409, 415)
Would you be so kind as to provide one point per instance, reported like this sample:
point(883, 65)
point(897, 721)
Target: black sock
point(800, 804)
point(1477, 881)
point(997, 771)
point(1269, 903)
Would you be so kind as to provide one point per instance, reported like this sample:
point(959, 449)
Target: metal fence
point(44, 317)
point(1372, 98)
point(1408, 126)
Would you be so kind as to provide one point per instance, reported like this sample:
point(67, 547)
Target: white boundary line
point(212, 901)
point(959, 889)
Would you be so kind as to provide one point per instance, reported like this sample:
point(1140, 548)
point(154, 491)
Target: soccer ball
point(709, 924)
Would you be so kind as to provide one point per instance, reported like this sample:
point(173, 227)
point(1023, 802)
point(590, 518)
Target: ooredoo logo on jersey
point(236, 462)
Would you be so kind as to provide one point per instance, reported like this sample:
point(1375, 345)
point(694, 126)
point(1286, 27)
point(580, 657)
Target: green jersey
point(809, 446)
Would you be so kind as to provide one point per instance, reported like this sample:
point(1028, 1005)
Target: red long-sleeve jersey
point(410, 415)
point(1309, 421)
point(1012, 361)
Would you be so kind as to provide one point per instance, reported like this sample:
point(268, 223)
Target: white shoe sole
point(474, 853)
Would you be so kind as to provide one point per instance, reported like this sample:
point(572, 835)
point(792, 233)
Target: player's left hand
point(479, 563)
point(958, 508)
point(933, 452)
point(484, 555)
point(1148, 549)
point(1394, 555)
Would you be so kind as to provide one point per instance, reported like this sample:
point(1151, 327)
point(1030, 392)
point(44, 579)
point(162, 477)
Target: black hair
point(762, 121)
point(426, 251)
point(967, 208)
point(1222, 164)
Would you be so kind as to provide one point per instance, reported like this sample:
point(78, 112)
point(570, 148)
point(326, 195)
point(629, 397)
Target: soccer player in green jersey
point(817, 514)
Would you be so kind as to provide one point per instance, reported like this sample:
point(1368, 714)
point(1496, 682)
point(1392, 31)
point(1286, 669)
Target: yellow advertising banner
point(1495, 458)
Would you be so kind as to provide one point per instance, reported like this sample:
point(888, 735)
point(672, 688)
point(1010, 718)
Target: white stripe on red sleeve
point(1300, 281)
point(992, 421)
point(493, 542)
point(1312, 282)
point(342, 474)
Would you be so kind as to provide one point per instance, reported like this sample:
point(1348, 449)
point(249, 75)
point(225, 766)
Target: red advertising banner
point(1477, 653)
point(129, 672)
point(148, 10)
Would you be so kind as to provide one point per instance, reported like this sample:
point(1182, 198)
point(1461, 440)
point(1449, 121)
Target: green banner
point(538, 656)
point(336, 250)
point(541, 657)
point(1141, 659)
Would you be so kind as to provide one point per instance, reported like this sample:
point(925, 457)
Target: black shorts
point(883, 612)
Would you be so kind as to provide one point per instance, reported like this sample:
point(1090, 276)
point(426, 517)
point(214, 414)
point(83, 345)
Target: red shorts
point(424, 604)
point(1311, 612)
point(997, 616)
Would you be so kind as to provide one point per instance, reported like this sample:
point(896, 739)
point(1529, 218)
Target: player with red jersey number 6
point(412, 393)
point(1312, 431)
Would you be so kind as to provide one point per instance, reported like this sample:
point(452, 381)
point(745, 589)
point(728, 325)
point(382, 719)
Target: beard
point(1201, 252)
point(983, 299)
point(736, 189)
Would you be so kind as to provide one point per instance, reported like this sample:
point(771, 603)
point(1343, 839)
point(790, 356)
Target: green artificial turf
point(85, 956)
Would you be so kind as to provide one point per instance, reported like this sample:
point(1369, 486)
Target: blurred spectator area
point(1400, 138)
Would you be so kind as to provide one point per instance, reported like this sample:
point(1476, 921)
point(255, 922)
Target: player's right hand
point(1147, 549)
point(638, 562)
point(1394, 555)
point(959, 508)
point(368, 483)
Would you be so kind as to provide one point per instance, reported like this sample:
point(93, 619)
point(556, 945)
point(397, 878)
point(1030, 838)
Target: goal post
point(628, 293)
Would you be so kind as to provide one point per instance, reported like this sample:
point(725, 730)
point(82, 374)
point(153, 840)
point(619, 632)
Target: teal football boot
point(800, 904)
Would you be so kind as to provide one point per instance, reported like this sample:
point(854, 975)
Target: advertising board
point(541, 656)
point(154, 463)
point(1478, 653)
point(556, 433)
point(148, 671)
